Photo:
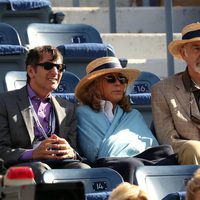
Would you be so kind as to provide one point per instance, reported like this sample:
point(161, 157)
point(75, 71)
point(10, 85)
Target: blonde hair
point(193, 186)
point(127, 191)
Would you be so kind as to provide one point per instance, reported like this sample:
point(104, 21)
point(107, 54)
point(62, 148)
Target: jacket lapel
point(61, 114)
point(184, 97)
point(25, 108)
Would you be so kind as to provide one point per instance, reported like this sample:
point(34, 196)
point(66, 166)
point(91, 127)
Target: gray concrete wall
point(146, 51)
point(131, 19)
point(141, 32)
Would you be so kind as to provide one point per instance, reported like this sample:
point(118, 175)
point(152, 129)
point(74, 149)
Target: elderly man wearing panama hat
point(176, 100)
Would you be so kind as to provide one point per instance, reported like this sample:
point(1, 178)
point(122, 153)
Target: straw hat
point(190, 33)
point(102, 66)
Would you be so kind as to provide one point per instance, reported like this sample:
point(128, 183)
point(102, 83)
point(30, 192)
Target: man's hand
point(53, 148)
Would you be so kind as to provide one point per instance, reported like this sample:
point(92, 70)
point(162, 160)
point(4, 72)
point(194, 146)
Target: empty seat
point(12, 53)
point(140, 94)
point(77, 56)
point(14, 80)
point(59, 34)
point(17, 79)
point(20, 13)
point(144, 82)
point(67, 86)
point(159, 181)
point(95, 180)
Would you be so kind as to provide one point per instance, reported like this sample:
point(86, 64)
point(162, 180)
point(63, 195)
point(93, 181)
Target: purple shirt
point(42, 108)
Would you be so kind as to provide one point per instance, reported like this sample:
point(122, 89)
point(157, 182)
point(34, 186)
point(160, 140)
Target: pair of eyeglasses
point(112, 79)
point(49, 66)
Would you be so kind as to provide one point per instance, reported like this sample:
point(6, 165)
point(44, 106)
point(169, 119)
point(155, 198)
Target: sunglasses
point(49, 66)
point(112, 79)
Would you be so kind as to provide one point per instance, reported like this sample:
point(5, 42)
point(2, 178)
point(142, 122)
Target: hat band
point(105, 66)
point(191, 35)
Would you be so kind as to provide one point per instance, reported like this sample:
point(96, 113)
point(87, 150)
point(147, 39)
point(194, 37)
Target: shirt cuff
point(27, 155)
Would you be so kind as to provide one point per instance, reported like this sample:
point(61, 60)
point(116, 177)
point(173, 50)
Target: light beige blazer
point(16, 124)
point(172, 108)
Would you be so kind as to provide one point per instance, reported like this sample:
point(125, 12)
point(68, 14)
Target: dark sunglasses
point(49, 66)
point(112, 79)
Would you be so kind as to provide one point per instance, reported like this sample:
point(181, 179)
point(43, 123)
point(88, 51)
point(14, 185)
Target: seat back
point(140, 94)
point(59, 34)
point(176, 196)
point(95, 180)
point(158, 181)
point(17, 79)
point(12, 53)
point(67, 86)
point(9, 35)
point(144, 82)
point(14, 80)
point(20, 14)
point(77, 56)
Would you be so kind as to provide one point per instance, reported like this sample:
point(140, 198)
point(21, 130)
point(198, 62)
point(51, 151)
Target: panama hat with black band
point(190, 33)
point(102, 66)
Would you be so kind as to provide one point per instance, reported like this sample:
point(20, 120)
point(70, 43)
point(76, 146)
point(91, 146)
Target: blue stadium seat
point(12, 53)
point(14, 80)
point(98, 182)
point(176, 196)
point(97, 196)
point(59, 34)
point(144, 82)
point(140, 94)
point(160, 181)
point(17, 79)
point(20, 13)
point(67, 86)
point(9, 35)
point(77, 56)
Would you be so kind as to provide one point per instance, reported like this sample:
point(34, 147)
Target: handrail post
point(112, 13)
point(76, 3)
point(169, 34)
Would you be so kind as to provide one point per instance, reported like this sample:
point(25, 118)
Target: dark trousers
point(160, 155)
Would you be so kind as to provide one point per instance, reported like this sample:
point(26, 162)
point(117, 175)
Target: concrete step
point(144, 51)
point(99, 3)
point(141, 31)
point(130, 19)
point(156, 66)
point(138, 45)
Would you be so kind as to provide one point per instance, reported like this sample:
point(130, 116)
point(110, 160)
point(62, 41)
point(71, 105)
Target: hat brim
point(175, 46)
point(131, 74)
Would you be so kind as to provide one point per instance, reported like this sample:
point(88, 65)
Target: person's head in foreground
point(193, 187)
point(106, 80)
point(127, 191)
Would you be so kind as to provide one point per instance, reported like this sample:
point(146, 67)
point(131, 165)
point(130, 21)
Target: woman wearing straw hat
point(176, 100)
point(108, 127)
